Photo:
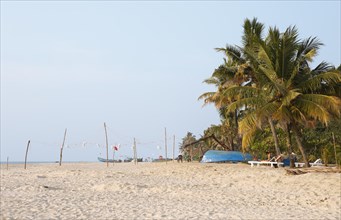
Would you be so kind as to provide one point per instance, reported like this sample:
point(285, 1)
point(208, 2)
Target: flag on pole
point(116, 147)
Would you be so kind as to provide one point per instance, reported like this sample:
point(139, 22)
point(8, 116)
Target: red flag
point(116, 147)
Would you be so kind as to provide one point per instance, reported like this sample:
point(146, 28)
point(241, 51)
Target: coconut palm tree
point(226, 75)
point(286, 90)
point(237, 72)
point(188, 151)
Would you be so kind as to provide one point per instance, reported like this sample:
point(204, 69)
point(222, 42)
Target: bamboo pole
point(134, 155)
point(191, 153)
point(166, 143)
point(61, 149)
point(337, 164)
point(113, 156)
point(28, 144)
point(173, 147)
point(106, 142)
point(135, 152)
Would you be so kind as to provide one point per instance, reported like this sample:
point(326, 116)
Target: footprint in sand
point(107, 187)
point(41, 176)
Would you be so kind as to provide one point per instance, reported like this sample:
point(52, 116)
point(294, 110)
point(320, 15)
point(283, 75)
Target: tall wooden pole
point(61, 148)
point(173, 146)
point(106, 142)
point(166, 144)
point(135, 152)
point(191, 153)
point(113, 156)
point(7, 163)
point(335, 150)
point(28, 144)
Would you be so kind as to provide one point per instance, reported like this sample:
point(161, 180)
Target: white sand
point(172, 191)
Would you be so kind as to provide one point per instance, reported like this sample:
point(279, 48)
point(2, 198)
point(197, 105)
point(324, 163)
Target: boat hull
point(119, 161)
point(105, 160)
point(216, 156)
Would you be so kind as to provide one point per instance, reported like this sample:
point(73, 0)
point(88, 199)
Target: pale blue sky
point(138, 66)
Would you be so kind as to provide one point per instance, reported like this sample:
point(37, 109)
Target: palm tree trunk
point(274, 135)
point(292, 162)
point(238, 136)
point(191, 153)
point(299, 144)
point(219, 142)
point(231, 143)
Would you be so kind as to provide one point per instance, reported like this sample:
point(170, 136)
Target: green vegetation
point(270, 98)
point(192, 152)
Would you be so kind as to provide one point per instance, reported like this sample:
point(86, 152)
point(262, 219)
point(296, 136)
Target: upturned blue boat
point(217, 156)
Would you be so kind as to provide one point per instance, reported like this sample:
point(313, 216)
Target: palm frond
point(207, 97)
point(310, 55)
point(322, 68)
point(273, 82)
point(250, 102)
point(316, 82)
point(248, 138)
point(322, 103)
point(267, 110)
point(283, 114)
point(290, 96)
point(308, 48)
point(241, 91)
point(232, 52)
point(312, 110)
point(211, 81)
point(253, 31)
point(224, 73)
point(298, 115)
point(287, 52)
point(248, 122)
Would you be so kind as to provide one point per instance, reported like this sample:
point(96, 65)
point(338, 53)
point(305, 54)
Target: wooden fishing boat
point(105, 160)
point(119, 160)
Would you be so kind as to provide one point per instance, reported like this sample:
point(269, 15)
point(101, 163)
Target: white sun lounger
point(317, 162)
point(258, 163)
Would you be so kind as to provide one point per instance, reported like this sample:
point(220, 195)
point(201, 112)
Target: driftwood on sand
point(312, 170)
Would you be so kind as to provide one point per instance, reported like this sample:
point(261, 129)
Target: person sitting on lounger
point(281, 157)
point(270, 158)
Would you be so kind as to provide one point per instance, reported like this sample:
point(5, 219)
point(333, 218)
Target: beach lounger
point(253, 163)
point(271, 163)
point(317, 162)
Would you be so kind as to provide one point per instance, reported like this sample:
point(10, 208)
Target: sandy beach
point(166, 191)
